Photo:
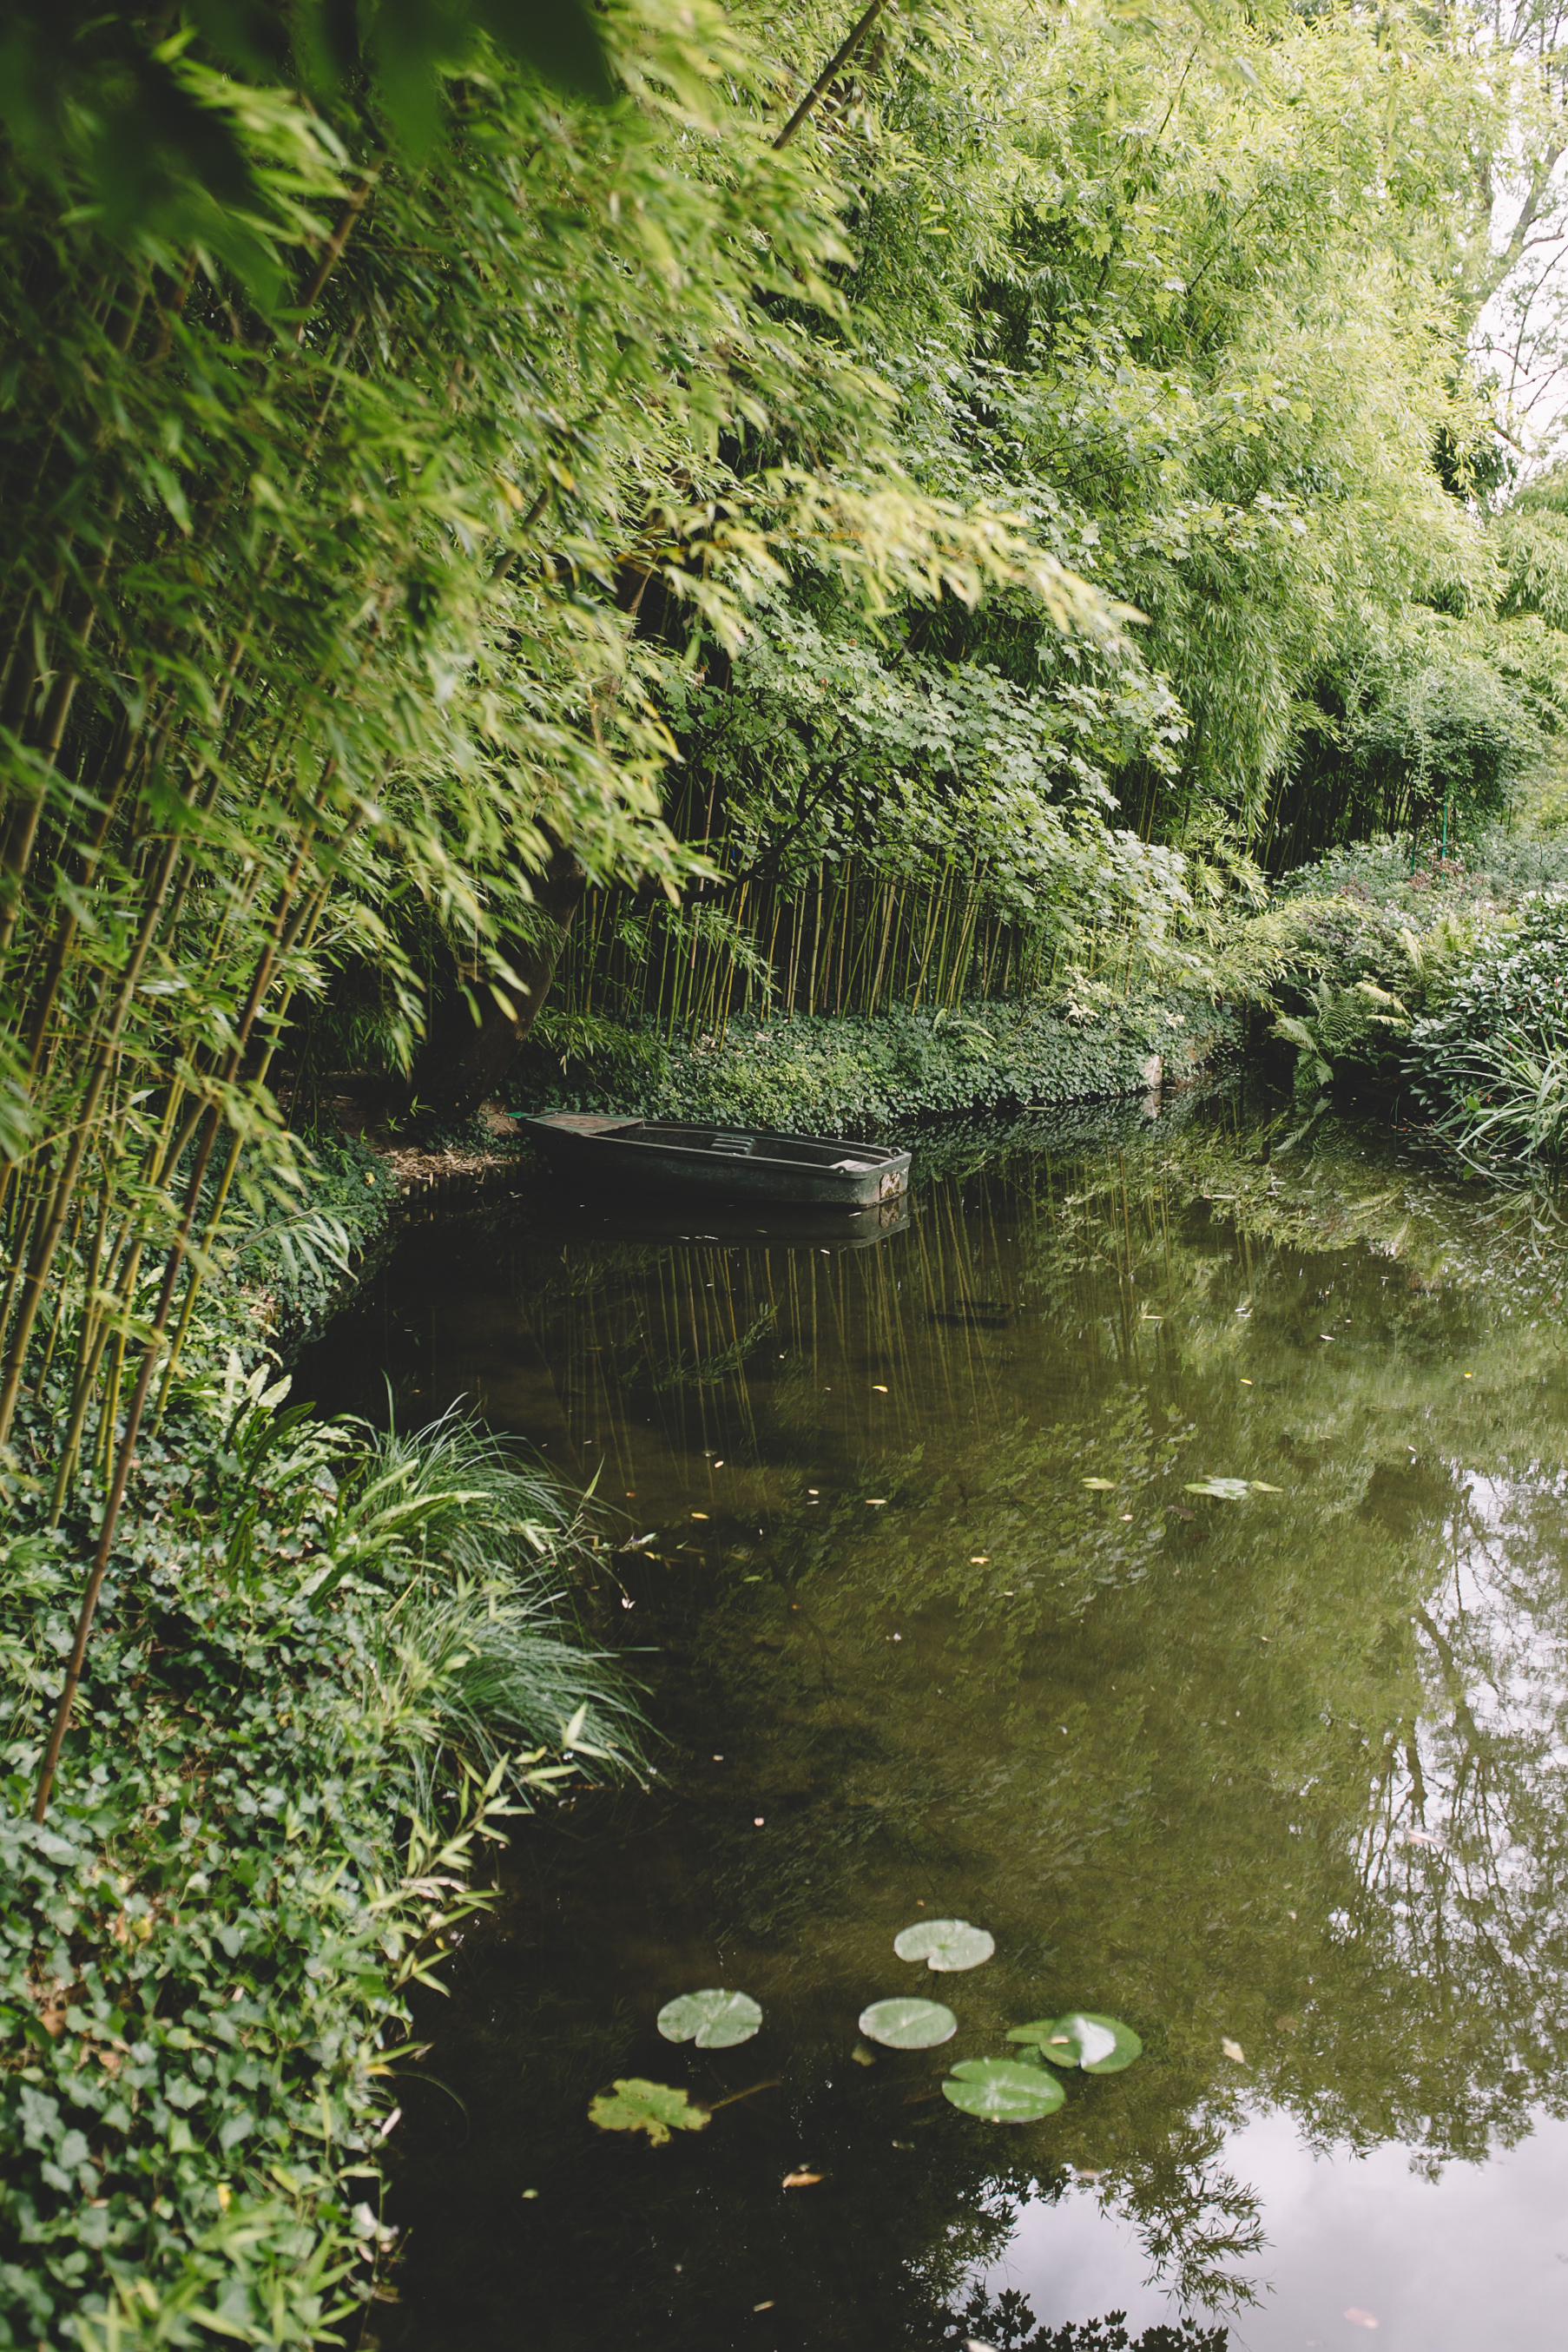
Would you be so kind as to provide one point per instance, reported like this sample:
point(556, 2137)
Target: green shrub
point(205, 1952)
point(1490, 1066)
point(846, 1071)
point(1348, 1027)
point(295, 1254)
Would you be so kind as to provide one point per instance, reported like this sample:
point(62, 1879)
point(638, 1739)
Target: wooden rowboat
point(722, 1163)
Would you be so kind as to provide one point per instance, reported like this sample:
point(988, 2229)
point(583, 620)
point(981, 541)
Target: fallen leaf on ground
point(801, 2179)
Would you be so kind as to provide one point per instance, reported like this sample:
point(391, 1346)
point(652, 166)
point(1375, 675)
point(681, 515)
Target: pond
point(1150, 1551)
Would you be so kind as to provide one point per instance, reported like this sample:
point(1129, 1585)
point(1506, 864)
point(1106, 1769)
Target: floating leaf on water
point(1100, 2045)
point(801, 2179)
point(908, 2024)
point(1233, 2049)
point(1102, 1485)
point(714, 2019)
point(1224, 1490)
point(1002, 2090)
point(945, 1945)
point(652, 2107)
point(862, 2056)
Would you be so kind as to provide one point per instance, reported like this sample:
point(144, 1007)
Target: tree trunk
point(476, 1063)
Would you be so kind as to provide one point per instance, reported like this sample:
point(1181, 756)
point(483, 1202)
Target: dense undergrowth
point(326, 1664)
point(1442, 983)
point(849, 1072)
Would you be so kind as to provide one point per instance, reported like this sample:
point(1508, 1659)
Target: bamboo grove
point(298, 625)
point(904, 508)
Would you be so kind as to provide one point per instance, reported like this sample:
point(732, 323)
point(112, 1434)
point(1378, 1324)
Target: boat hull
point(737, 1164)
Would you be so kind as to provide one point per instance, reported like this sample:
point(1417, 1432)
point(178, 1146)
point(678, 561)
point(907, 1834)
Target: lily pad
point(652, 2107)
point(1231, 1490)
point(1100, 2045)
point(1002, 2090)
point(714, 2019)
point(908, 2024)
point(946, 1945)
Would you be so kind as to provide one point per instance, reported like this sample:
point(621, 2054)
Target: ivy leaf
point(652, 2107)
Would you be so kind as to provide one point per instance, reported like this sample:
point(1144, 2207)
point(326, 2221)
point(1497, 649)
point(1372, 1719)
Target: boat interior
point(740, 1143)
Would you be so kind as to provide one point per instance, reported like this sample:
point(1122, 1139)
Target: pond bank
point(845, 1073)
point(1075, 1058)
point(206, 1948)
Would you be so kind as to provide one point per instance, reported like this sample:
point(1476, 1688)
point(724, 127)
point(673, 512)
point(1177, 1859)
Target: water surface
point(1280, 1781)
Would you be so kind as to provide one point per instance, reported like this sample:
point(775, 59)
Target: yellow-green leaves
point(635, 2105)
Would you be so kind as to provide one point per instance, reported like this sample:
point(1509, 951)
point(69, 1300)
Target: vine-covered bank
point(327, 1667)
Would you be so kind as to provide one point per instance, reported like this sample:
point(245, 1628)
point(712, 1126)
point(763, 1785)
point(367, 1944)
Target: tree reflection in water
point(1284, 1775)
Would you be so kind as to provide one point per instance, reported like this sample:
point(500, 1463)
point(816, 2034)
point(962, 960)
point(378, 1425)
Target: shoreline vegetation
point(330, 1668)
point(282, 1719)
point(689, 556)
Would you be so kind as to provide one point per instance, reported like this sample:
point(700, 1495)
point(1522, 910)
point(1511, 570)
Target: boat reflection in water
point(655, 1218)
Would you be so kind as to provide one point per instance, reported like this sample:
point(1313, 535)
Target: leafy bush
point(205, 1952)
point(300, 1250)
point(868, 1075)
point(1501, 865)
point(1491, 1066)
point(1347, 1025)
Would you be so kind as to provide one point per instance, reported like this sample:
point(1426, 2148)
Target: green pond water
point(1277, 1780)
